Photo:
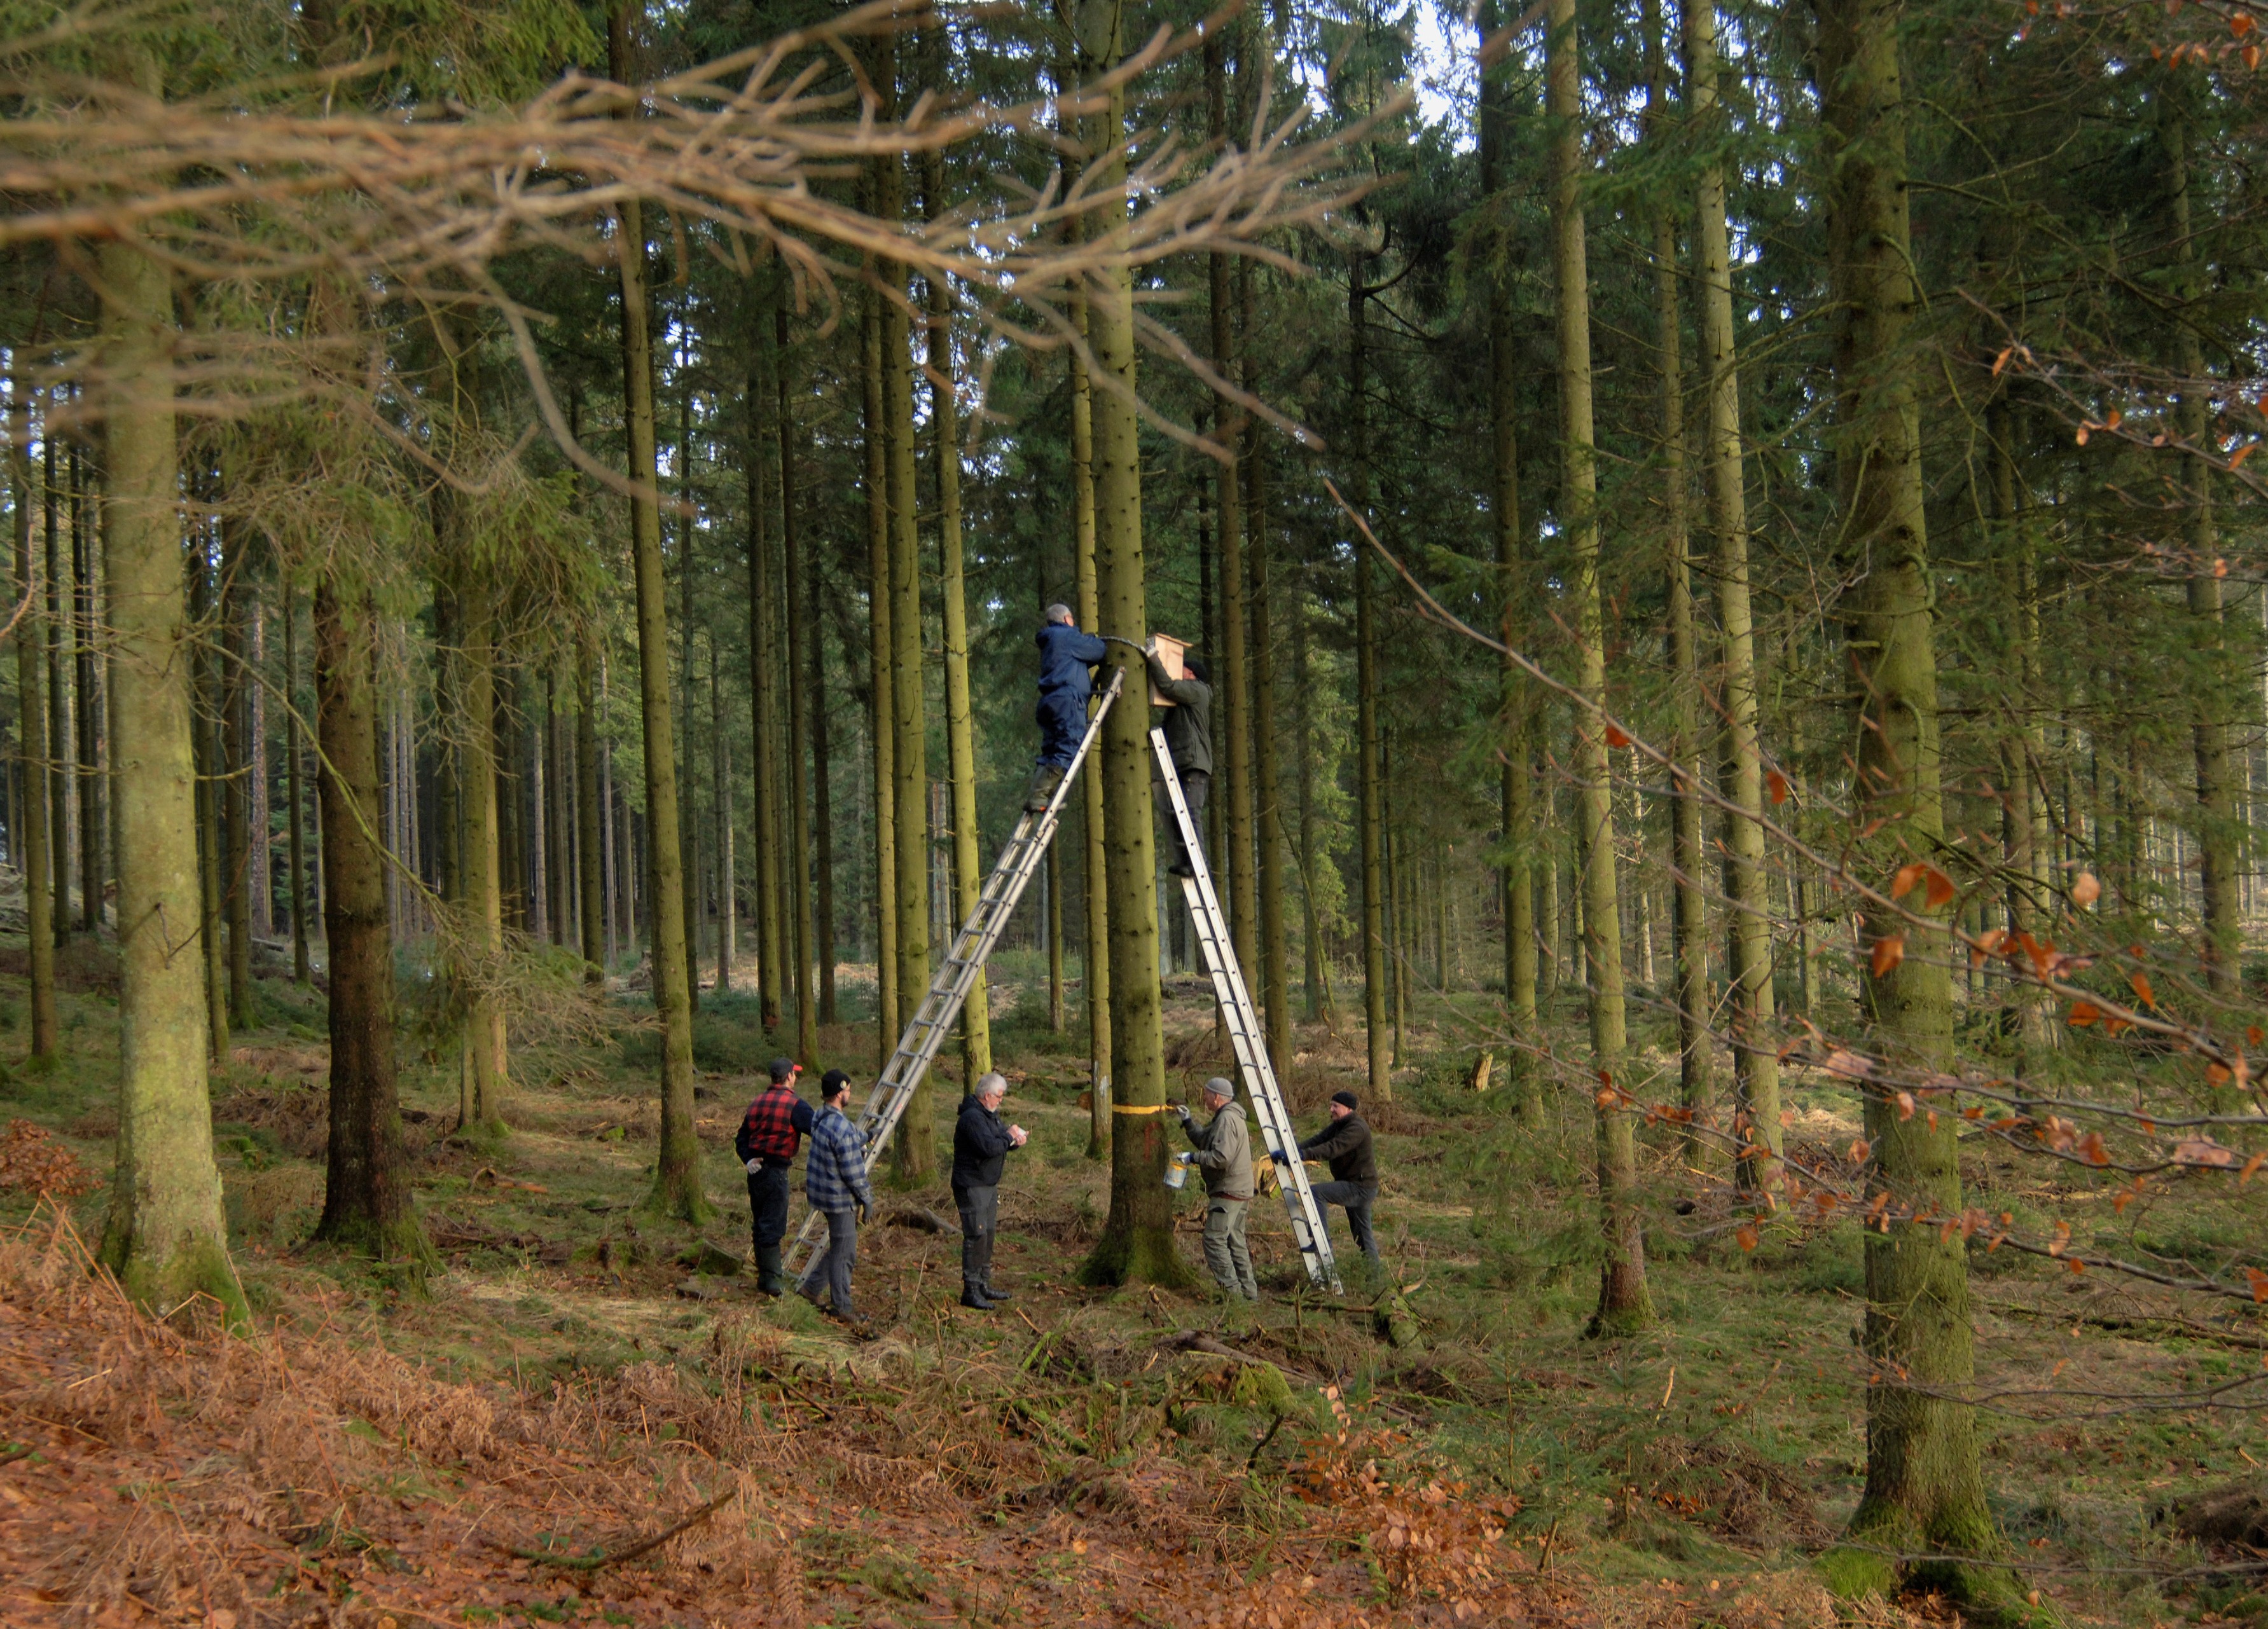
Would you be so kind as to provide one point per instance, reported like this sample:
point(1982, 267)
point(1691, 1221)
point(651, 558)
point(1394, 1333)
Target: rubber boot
point(972, 1296)
point(1045, 779)
point(772, 1279)
point(998, 1297)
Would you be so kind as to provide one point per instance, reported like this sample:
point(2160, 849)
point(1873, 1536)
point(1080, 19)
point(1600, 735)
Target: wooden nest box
point(1168, 651)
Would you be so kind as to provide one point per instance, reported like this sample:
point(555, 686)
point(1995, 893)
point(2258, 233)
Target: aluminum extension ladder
point(932, 1020)
point(1244, 1033)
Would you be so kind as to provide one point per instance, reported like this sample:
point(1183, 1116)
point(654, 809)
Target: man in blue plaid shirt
point(835, 1182)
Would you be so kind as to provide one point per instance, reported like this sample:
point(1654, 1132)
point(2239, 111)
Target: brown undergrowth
point(158, 1471)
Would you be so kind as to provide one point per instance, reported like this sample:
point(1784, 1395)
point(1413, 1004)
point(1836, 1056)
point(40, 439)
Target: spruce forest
point(1719, 538)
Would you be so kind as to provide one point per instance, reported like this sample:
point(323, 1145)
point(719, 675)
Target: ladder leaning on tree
point(1244, 1033)
point(932, 1020)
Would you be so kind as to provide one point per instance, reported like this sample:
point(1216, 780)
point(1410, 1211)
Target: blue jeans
point(1357, 1198)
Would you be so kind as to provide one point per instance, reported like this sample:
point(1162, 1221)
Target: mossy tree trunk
point(763, 681)
point(366, 1198)
point(1748, 884)
point(303, 967)
point(1137, 1241)
point(166, 1237)
point(822, 795)
point(234, 733)
point(1096, 869)
point(1516, 786)
point(1622, 1300)
point(960, 734)
point(589, 883)
point(677, 1189)
point(1925, 1486)
point(880, 654)
point(1369, 808)
point(32, 836)
point(799, 691)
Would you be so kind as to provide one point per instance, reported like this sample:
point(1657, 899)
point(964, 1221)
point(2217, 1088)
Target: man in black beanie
point(1346, 1144)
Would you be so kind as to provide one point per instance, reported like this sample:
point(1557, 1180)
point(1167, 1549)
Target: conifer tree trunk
point(960, 736)
point(1234, 730)
point(1924, 1488)
point(211, 940)
point(677, 1165)
point(1515, 795)
point(57, 877)
point(234, 734)
point(1368, 813)
point(366, 1200)
point(2027, 836)
point(914, 1155)
point(806, 1017)
point(85, 689)
point(166, 1237)
point(1137, 1242)
point(882, 653)
point(486, 1076)
point(2217, 827)
point(689, 866)
point(1314, 993)
point(822, 799)
point(303, 970)
point(589, 883)
point(763, 688)
point(721, 763)
point(31, 861)
point(1747, 885)
point(1622, 1300)
point(1096, 968)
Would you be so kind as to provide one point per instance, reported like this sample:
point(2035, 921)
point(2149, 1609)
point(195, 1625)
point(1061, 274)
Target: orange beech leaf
point(2203, 1151)
point(2092, 1151)
point(2259, 1282)
point(1777, 783)
point(2076, 1265)
point(2084, 431)
point(2062, 1238)
point(1940, 890)
point(1974, 1111)
point(1904, 1100)
point(2119, 1205)
point(2142, 982)
point(1616, 738)
point(2115, 1027)
point(2240, 24)
point(1888, 952)
point(1858, 1151)
point(2244, 451)
point(2086, 889)
point(2082, 1013)
point(1909, 873)
point(2250, 1165)
point(2254, 1036)
point(2217, 1075)
point(1747, 1235)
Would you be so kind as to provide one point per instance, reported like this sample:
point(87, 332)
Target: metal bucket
point(1176, 1174)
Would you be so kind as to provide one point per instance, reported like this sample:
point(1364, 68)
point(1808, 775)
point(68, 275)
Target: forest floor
point(484, 1445)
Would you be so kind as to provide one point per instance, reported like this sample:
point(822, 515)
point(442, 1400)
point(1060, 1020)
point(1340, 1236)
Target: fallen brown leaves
point(168, 1473)
point(32, 1161)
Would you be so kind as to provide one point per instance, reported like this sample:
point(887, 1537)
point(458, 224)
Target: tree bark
point(806, 1017)
point(367, 1200)
point(1747, 885)
point(1368, 815)
point(487, 1063)
point(32, 809)
point(1515, 794)
point(960, 736)
point(1624, 1302)
point(589, 884)
point(1137, 1241)
point(57, 875)
point(1095, 970)
point(85, 694)
point(677, 1166)
point(234, 733)
point(1925, 1488)
point(166, 1237)
point(205, 727)
point(303, 970)
point(727, 883)
point(881, 651)
point(823, 796)
point(763, 688)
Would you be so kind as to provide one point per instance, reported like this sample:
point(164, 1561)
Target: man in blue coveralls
point(1067, 658)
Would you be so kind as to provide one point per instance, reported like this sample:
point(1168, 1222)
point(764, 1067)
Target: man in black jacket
point(1189, 737)
point(1346, 1143)
point(981, 1144)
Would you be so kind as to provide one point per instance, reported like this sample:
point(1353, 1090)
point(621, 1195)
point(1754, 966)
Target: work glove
point(860, 1206)
point(1183, 1108)
point(1185, 1158)
point(755, 1166)
point(1280, 1157)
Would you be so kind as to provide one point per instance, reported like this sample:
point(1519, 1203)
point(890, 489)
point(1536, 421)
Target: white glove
point(1185, 1158)
point(755, 1166)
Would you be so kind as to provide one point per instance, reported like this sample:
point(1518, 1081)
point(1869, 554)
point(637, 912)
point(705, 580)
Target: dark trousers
point(1063, 721)
point(1357, 1198)
point(768, 1196)
point(1194, 784)
point(980, 1221)
point(832, 1266)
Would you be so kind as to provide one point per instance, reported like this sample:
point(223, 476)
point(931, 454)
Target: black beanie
point(1347, 1097)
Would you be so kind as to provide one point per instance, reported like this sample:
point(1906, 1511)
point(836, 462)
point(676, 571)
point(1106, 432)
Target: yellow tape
point(1137, 1108)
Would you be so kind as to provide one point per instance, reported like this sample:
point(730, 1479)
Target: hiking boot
point(998, 1297)
point(1045, 780)
point(973, 1297)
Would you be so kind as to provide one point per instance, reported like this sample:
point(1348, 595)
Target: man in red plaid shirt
point(769, 1135)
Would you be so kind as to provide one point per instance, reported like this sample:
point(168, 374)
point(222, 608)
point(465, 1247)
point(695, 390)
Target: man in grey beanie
point(1223, 1154)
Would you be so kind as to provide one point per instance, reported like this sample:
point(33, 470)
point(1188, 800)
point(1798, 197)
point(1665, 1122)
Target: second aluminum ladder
point(1244, 1036)
point(932, 1020)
